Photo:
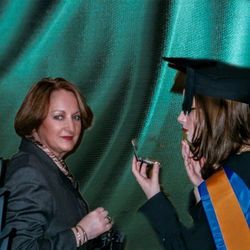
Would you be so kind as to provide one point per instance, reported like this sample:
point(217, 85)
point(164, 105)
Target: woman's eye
point(77, 117)
point(58, 117)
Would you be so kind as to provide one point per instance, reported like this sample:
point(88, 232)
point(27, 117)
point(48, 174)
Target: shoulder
point(21, 168)
point(27, 167)
point(239, 164)
point(30, 158)
point(26, 180)
point(23, 159)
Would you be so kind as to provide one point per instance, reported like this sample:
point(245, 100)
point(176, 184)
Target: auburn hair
point(35, 106)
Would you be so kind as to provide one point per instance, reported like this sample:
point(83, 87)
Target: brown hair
point(35, 106)
point(222, 127)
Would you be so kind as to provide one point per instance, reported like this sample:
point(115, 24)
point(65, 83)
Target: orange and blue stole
point(226, 201)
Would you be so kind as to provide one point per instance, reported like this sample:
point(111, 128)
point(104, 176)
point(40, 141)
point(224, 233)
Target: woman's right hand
point(150, 186)
point(95, 223)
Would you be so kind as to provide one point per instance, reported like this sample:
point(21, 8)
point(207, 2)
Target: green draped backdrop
point(112, 49)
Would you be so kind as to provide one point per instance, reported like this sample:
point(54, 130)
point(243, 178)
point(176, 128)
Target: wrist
point(80, 235)
point(84, 236)
point(76, 236)
point(197, 194)
point(151, 194)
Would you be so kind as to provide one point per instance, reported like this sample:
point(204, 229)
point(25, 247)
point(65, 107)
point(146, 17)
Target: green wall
point(112, 49)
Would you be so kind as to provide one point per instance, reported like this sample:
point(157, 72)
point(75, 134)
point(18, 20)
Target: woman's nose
point(181, 118)
point(70, 125)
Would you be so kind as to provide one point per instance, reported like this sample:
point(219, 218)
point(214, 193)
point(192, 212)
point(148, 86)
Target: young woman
point(216, 152)
point(45, 209)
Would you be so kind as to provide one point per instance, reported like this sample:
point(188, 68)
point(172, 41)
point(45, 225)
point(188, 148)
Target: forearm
point(172, 233)
point(162, 216)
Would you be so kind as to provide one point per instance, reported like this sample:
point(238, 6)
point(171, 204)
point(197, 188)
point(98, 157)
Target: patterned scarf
point(58, 161)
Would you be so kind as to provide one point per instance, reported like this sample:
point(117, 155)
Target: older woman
point(44, 207)
point(215, 118)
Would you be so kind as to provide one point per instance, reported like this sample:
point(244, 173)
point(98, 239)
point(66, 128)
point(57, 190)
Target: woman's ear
point(34, 134)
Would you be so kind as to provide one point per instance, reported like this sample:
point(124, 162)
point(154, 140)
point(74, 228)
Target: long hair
point(222, 127)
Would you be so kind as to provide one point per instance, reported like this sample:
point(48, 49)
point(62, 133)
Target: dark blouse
point(173, 235)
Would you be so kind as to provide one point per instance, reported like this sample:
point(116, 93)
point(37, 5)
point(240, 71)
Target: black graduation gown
point(172, 234)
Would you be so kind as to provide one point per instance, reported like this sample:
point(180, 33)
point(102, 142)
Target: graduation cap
point(210, 78)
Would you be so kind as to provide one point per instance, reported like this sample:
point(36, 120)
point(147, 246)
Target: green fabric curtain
point(112, 51)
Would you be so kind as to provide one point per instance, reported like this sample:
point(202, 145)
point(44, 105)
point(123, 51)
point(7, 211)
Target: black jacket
point(43, 205)
point(173, 235)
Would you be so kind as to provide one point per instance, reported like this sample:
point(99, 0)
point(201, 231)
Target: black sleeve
point(30, 207)
point(172, 234)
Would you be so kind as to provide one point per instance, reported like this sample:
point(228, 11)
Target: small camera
point(111, 240)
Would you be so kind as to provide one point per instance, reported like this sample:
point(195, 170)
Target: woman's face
point(61, 128)
point(188, 122)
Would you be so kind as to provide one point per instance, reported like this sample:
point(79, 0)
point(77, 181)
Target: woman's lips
point(185, 130)
point(68, 138)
